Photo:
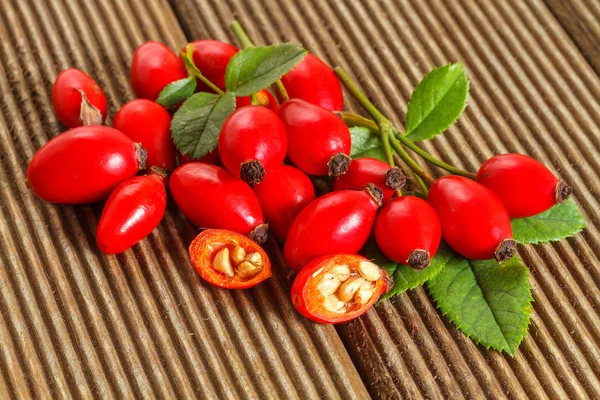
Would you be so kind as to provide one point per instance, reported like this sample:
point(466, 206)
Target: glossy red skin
point(314, 135)
point(282, 194)
point(252, 133)
point(405, 224)
point(153, 67)
point(211, 158)
point(66, 97)
point(338, 222)
point(133, 210)
point(474, 220)
point(148, 123)
point(362, 171)
point(312, 80)
point(211, 58)
point(213, 198)
point(525, 186)
point(304, 298)
point(82, 165)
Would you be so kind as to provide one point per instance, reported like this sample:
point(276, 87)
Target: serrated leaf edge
point(527, 310)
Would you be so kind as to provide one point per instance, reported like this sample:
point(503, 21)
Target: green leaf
point(488, 302)
point(406, 278)
point(366, 143)
point(437, 102)
point(177, 92)
point(256, 68)
point(561, 221)
point(197, 124)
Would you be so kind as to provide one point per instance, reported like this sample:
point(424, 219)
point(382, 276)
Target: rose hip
point(133, 210)
point(282, 194)
point(252, 142)
point(371, 170)
point(211, 58)
point(229, 260)
point(313, 81)
point(213, 198)
point(338, 288)
point(339, 222)
point(147, 122)
point(318, 141)
point(153, 67)
point(525, 186)
point(474, 221)
point(77, 99)
point(408, 231)
point(84, 165)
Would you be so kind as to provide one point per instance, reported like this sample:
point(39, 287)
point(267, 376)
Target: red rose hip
point(153, 67)
point(148, 123)
point(84, 164)
point(313, 81)
point(339, 222)
point(77, 99)
point(338, 288)
point(318, 141)
point(213, 198)
point(282, 194)
point(474, 221)
point(133, 210)
point(371, 170)
point(252, 142)
point(408, 231)
point(525, 186)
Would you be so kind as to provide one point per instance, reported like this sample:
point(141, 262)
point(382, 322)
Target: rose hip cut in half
point(338, 288)
point(229, 260)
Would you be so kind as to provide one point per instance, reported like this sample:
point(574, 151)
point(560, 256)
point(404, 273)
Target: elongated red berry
point(282, 194)
point(339, 222)
point(133, 210)
point(252, 142)
point(525, 186)
point(211, 58)
point(213, 198)
point(312, 80)
point(77, 99)
point(148, 123)
point(474, 221)
point(371, 170)
point(84, 165)
point(153, 67)
point(408, 231)
point(318, 141)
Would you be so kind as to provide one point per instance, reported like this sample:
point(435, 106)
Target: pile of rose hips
point(267, 152)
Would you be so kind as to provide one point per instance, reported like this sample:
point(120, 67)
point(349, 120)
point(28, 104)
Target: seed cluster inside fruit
point(344, 288)
point(236, 262)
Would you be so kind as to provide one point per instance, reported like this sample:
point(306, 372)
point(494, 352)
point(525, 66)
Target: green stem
point(254, 99)
point(352, 119)
point(384, 125)
point(245, 41)
point(209, 83)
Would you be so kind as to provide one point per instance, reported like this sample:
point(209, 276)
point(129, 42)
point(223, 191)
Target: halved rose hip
point(229, 260)
point(338, 288)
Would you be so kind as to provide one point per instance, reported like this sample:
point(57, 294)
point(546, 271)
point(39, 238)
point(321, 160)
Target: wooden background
point(75, 323)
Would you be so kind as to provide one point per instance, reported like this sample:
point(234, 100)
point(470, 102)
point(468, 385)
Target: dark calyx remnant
point(338, 164)
point(260, 233)
point(563, 191)
point(142, 156)
point(375, 192)
point(252, 172)
point(419, 259)
point(395, 179)
point(506, 250)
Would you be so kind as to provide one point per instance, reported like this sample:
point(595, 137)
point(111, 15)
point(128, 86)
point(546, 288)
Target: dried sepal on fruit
point(337, 288)
point(77, 99)
point(229, 260)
